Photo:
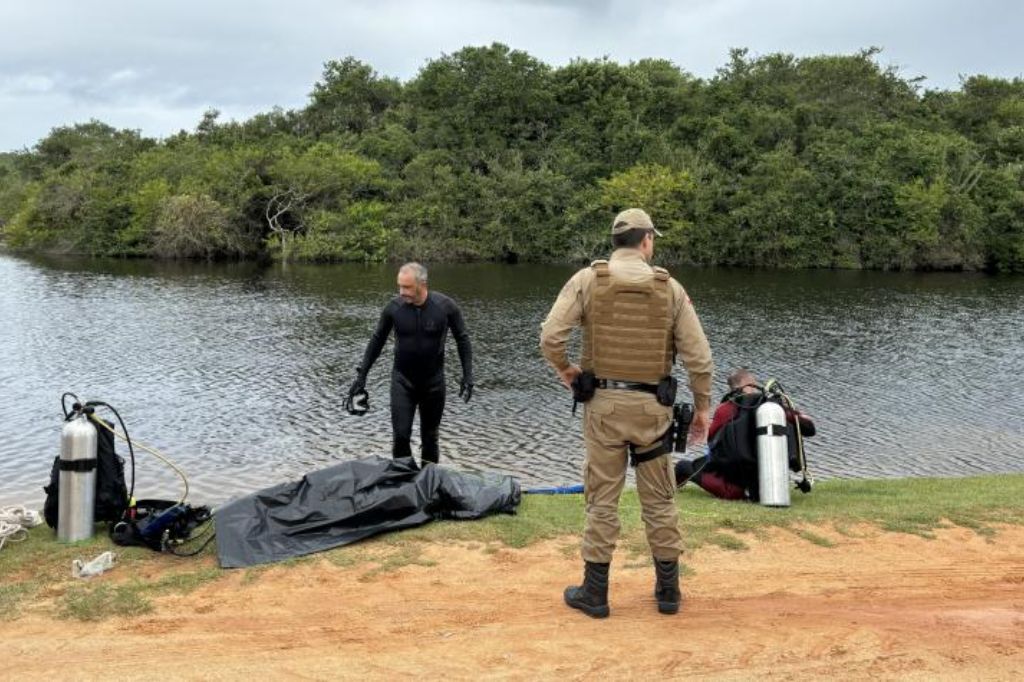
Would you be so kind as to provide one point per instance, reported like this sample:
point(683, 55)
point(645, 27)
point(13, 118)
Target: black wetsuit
point(417, 377)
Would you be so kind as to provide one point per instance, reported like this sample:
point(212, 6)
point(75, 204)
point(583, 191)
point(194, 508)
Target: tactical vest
point(628, 331)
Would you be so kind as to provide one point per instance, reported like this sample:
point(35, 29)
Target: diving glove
point(358, 385)
point(466, 389)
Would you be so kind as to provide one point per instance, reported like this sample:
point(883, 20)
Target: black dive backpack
point(111, 491)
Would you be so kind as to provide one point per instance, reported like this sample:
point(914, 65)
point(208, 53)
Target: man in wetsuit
point(730, 472)
point(421, 320)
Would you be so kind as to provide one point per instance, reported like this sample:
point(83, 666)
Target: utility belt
point(627, 385)
point(585, 385)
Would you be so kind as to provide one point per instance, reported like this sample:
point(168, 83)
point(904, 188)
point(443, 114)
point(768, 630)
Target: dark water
point(237, 372)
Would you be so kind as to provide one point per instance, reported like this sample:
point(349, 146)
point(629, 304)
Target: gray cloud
point(156, 67)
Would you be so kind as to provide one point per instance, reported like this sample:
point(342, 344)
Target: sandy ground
point(876, 606)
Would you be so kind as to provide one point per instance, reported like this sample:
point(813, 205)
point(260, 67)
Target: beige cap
point(633, 218)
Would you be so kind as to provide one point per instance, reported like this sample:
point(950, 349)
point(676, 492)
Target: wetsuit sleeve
point(565, 314)
point(806, 424)
point(724, 414)
point(458, 327)
point(692, 346)
point(377, 341)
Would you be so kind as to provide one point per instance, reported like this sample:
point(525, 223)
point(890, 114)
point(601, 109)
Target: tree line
point(489, 154)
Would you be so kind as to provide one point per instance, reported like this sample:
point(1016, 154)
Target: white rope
point(21, 515)
point(15, 522)
point(11, 531)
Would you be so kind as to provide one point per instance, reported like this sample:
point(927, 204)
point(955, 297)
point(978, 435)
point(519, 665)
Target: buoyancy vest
point(628, 330)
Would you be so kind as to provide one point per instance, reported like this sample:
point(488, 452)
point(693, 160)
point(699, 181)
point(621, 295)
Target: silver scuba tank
point(772, 455)
point(75, 507)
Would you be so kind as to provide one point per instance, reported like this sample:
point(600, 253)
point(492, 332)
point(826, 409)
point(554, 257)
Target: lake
point(237, 372)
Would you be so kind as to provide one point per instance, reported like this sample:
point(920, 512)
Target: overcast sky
point(156, 66)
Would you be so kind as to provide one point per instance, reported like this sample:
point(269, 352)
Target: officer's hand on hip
point(569, 374)
point(466, 389)
point(698, 434)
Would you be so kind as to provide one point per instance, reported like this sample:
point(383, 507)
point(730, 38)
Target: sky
point(157, 66)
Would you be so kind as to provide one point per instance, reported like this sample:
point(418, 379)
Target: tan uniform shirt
point(570, 310)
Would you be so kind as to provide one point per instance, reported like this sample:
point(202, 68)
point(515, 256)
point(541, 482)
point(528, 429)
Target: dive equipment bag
point(159, 524)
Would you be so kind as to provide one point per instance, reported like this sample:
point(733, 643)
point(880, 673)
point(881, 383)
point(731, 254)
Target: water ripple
point(238, 373)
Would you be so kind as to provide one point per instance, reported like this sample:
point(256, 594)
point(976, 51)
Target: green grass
point(10, 599)
point(39, 569)
point(36, 573)
point(102, 600)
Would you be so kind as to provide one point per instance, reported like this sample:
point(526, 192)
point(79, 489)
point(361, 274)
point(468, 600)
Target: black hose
point(64, 407)
point(131, 451)
point(210, 530)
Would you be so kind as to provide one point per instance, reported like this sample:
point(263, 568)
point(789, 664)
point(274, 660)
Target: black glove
point(358, 385)
point(466, 389)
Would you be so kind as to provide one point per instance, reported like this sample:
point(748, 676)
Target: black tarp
point(352, 501)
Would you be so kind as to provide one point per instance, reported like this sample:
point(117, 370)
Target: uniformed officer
point(636, 319)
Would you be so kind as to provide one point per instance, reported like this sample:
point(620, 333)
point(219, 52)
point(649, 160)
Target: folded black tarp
point(349, 502)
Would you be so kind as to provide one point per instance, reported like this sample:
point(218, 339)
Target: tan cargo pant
point(612, 420)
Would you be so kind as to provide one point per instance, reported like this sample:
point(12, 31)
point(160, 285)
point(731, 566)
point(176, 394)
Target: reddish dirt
point(877, 606)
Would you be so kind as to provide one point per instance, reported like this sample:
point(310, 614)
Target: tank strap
point(80, 465)
point(771, 430)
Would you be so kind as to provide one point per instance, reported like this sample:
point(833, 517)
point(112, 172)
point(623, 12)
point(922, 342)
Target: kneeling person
point(730, 470)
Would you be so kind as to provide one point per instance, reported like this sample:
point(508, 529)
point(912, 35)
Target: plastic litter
point(100, 564)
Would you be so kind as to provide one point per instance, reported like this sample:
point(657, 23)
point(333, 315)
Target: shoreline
point(874, 604)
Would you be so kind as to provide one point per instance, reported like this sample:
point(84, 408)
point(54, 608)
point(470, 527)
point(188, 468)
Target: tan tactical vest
point(628, 330)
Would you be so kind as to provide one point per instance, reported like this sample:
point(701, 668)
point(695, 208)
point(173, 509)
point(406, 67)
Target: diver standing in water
point(420, 319)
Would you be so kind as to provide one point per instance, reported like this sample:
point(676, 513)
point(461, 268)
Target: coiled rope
point(15, 522)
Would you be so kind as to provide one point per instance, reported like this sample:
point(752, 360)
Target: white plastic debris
point(97, 566)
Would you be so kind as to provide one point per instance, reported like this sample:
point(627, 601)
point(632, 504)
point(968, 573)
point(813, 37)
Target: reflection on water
point(237, 371)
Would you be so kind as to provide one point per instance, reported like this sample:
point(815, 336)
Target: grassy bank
point(35, 575)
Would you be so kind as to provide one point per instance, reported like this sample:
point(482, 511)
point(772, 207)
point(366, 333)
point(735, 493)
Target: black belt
point(627, 385)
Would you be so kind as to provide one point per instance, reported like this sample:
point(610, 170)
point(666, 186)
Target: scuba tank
point(87, 485)
point(77, 465)
point(772, 455)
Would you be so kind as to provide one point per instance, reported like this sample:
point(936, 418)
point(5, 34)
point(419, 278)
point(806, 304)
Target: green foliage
point(191, 226)
point(489, 154)
point(351, 98)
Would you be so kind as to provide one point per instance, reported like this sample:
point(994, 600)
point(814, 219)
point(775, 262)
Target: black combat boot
point(592, 596)
point(666, 589)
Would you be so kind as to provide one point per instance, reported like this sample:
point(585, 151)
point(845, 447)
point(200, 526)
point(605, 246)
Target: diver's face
point(408, 288)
